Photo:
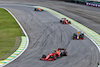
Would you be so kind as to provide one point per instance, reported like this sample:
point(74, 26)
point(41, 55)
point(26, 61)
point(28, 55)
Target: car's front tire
point(60, 21)
point(43, 56)
point(64, 53)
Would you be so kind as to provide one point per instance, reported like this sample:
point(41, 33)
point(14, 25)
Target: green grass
point(9, 30)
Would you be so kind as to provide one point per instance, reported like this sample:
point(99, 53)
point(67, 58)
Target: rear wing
point(63, 18)
point(61, 49)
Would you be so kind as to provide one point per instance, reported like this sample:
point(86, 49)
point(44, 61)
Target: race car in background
point(64, 21)
point(38, 9)
point(78, 36)
point(60, 52)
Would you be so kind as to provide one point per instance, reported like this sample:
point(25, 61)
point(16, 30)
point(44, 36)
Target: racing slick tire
point(35, 9)
point(64, 53)
point(74, 36)
point(43, 56)
point(69, 22)
point(81, 36)
point(42, 10)
point(60, 21)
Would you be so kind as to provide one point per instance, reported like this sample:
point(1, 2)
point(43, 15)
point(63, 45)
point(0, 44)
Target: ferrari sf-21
point(60, 52)
point(64, 21)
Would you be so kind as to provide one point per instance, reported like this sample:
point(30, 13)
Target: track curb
point(23, 46)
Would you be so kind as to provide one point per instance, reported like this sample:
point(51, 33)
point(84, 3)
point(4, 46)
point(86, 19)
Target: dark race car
point(78, 36)
point(38, 9)
point(64, 21)
point(60, 52)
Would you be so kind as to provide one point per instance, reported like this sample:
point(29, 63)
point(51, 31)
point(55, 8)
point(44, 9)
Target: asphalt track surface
point(46, 34)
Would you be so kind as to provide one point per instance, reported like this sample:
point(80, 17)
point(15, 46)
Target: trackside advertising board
point(94, 4)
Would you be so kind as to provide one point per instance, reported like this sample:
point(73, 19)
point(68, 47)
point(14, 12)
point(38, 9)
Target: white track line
point(79, 30)
point(25, 35)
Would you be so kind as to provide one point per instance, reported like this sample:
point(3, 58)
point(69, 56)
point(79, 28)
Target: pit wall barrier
point(93, 4)
point(93, 36)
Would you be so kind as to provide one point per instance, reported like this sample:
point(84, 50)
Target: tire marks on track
point(47, 34)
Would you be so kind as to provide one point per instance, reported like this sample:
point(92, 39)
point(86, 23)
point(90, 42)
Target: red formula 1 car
point(60, 52)
point(64, 21)
point(38, 9)
point(78, 36)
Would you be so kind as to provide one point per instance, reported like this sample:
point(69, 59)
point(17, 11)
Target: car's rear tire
point(74, 36)
point(42, 10)
point(35, 9)
point(81, 36)
point(64, 53)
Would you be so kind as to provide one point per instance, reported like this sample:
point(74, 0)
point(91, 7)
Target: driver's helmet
point(39, 9)
point(56, 50)
point(78, 32)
